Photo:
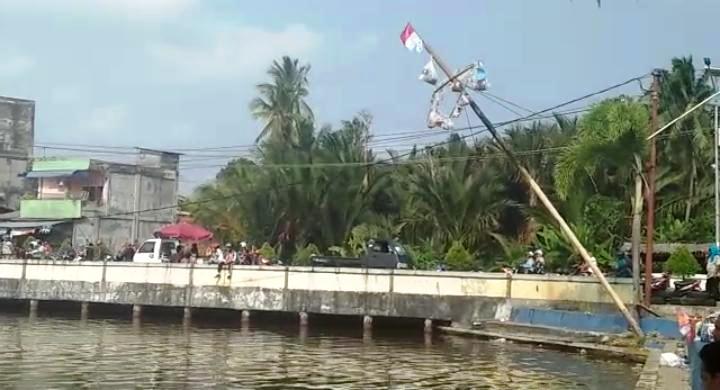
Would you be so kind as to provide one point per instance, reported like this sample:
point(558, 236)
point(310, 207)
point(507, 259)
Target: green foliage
point(340, 251)
point(610, 138)
point(303, 255)
point(561, 256)
point(458, 258)
point(682, 263)
point(425, 256)
point(513, 251)
point(360, 235)
point(673, 230)
point(267, 251)
point(698, 229)
point(326, 187)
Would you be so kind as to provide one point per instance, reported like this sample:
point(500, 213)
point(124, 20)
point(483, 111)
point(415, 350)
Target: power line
point(410, 148)
point(395, 158)
point(507, 101)
point(206, 150)
point(361, 164)
point(408, 138)
point(490, 98)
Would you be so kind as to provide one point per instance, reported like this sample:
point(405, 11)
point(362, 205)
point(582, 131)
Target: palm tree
point(525, 142)
point(688, 148)
point(452, 197)
point(608, 152)
point(282, 102)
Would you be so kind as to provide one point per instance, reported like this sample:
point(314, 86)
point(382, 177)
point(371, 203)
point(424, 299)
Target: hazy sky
point(180, 73)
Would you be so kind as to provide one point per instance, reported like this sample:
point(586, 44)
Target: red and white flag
point(411, 39)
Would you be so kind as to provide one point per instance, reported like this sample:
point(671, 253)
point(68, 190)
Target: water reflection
point(51, 352)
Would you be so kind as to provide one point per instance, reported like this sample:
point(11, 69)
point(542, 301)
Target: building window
point(94, 193)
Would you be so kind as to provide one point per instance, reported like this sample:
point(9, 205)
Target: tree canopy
point(315, 188)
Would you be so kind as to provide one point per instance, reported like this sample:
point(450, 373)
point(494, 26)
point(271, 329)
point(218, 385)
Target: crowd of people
point(228, 255)
point(534, 263)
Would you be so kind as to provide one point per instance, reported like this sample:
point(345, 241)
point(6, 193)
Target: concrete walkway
point(656, 377)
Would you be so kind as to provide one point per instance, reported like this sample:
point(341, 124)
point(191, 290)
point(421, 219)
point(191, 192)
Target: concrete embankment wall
point(450, 296)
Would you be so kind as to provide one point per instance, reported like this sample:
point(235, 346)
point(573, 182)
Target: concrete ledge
point(463, 297)
point(635, 355)
point(549, 332)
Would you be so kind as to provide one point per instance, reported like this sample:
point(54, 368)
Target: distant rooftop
point(14, 99)
point(157, 151)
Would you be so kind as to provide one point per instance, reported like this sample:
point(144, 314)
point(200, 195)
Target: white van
point(156, 250)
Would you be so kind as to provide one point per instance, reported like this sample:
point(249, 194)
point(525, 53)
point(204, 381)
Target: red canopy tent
point(185, 232)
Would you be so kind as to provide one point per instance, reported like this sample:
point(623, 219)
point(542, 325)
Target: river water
point(58, 352)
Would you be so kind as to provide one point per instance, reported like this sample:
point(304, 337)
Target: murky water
point(51, 352)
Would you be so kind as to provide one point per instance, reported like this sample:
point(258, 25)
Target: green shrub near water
point(458, 258)
point(682, 263)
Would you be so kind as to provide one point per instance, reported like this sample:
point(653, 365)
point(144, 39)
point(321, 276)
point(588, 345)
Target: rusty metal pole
point(650, 228)
point(535, 187)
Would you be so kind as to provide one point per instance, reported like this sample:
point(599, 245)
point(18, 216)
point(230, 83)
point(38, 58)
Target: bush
point(458, 258)
point(303, 255)
point(682, 263)
point(267, 251)
point(359, 237)
point(423, 257)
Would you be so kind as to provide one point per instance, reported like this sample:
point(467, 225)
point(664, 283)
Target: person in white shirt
point(220, 259)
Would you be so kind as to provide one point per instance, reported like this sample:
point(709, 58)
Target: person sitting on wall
point(7, 248)
point(223, 259)
point(539, 262)
point(194, 251)
point(528, 265)
point(177, 256)
point(623, 265)
point(230, 256)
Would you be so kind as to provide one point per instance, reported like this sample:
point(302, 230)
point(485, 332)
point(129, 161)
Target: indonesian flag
point(411, 39)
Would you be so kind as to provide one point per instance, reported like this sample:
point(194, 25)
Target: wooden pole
point(535, 187)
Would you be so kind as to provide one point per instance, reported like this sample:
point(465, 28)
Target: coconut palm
point(282, 102)
point(689, 145)
point(608, 152)
point(533, 146)
point(452, 197)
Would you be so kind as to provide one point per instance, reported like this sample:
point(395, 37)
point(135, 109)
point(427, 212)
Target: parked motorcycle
point(685, 292)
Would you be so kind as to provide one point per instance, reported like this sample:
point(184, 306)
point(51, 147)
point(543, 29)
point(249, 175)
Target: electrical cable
point(395, 158)
point(507, 101)
point(491, 99)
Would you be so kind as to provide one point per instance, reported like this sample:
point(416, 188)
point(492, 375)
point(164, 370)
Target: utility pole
point(713, 73)
point(535, 187)
point(650, 228)
point(717, 179)
point(136, 205)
